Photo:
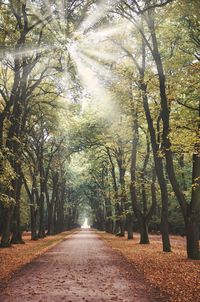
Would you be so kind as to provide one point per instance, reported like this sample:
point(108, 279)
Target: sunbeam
point(101, 55)
point(88, 46)
point(101, 98)
point(96, 14)
point(25, 51)
point(102, 72)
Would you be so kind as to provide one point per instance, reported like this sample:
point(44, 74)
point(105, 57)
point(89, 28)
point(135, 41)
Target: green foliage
point(56, 131)
point(7, 175)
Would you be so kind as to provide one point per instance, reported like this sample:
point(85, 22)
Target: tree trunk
point(50, 204)
point(160, 174)
point(193, 209)
point(155, 147)
point(41, 232)
point(60, 220)
point(5, 240)
point(122, 227)
point(116, 228)
point(109, 225)
point(50, 227)
point(16, 225)
point(119, 227)
point(33, 206)
point(144, 236)
point(34, 235)
point(108, 222)
point(55, 213)
point(192, 237)
point(16, 232)
point(122, 195)
point(43, 180)
point(129, 221)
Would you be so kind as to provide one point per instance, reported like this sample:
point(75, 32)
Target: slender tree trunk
point(155, 148)
point(144, 236)
point(117, 226)
point(16, 227)
point(52, 207)
point(55, 218)
point(122, 195)
point(41, 231)
point(160, 175)
point(133, 190)
point(108, 222)
point(60, 220)
point(34, 235)
point(50, 228)
point(129, 221)
point(141, 217)
point(108, 225)
point(55, 214)
point(33, 207)
point(116, 229)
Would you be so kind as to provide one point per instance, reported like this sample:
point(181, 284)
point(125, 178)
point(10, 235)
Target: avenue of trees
point(112, 132)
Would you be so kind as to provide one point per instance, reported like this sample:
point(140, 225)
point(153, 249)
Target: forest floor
point(81, 268)
point(172, 273)
point(16, 256)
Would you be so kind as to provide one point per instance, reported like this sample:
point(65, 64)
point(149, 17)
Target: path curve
point(81, 268)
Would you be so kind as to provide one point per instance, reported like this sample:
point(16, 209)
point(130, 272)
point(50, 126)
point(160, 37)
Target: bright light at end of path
point(85, 225)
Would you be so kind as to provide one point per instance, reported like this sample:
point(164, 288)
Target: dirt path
point(81, 268)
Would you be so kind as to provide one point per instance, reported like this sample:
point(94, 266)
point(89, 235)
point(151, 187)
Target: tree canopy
point(100, 118)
